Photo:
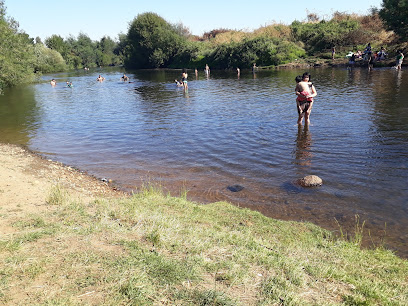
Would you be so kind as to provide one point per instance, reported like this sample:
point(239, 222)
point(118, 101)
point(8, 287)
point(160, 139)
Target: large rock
point(310, 181)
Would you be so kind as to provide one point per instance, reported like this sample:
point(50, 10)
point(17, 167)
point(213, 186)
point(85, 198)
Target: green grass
point(154, 249)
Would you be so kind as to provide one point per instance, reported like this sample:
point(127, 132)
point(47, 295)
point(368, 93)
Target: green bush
point(17, 58)
point(264, 51)
point(152, 42)
point(324, 34)
point(48, 60)
point(83, 52)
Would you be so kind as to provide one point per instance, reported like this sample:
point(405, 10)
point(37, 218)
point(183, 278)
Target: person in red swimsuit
point(305, 92)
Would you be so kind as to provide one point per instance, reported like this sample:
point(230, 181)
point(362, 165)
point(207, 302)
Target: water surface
point(233, 131)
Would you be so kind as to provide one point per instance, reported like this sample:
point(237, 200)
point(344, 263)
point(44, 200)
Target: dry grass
point(275, 31)
point(229, 37)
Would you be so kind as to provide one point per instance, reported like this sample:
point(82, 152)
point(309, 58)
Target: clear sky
point(106, 17)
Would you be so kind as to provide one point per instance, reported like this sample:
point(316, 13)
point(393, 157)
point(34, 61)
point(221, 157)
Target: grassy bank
point(156, 249)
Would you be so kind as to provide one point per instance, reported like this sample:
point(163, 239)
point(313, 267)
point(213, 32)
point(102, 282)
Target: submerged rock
point(235, 188)
point(310, 181)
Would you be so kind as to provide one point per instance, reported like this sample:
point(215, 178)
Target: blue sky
point(105, 17)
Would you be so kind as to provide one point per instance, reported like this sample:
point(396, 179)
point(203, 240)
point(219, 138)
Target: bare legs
point(305, 114)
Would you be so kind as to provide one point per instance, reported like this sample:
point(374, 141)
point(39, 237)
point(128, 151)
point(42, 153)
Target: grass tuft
point(57, 195)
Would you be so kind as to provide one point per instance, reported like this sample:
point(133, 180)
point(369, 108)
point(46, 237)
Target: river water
point(229, 130)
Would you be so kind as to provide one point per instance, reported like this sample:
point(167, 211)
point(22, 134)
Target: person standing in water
point(305, 92)
point(207, 70)
point(184, 76)
point(400, 58)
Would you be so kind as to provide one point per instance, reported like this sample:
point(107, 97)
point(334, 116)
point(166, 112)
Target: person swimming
point(124, 78)
point(100, 78)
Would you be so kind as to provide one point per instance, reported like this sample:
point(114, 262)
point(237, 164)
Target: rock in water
point(235, 188)
point(310, 181)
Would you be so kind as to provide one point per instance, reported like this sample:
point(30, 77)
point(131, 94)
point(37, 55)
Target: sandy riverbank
point(26, 180)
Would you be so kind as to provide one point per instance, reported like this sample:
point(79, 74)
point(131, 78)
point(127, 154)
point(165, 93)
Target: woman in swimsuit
point(305, 92)
point(184, 76)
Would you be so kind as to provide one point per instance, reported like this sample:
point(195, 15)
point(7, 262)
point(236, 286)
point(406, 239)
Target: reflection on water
point(231, 129)
point(19, 115)
point(303, 153)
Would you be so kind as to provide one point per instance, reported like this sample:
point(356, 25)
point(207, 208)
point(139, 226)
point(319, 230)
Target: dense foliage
point(395, 15)
point(263, 50)
point(153, 43)
point(324, 34)
point(21, 60)
point(82, 52)
point(17, 58)
point(48, 60)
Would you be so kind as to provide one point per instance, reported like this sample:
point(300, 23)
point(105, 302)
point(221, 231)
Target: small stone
point(310, 181)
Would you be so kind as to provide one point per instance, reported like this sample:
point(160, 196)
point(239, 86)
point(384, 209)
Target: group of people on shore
point(371, 57)
point(377, 56)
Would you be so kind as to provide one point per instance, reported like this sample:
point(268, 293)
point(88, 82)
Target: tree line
point(152, 42)
point(23, 59)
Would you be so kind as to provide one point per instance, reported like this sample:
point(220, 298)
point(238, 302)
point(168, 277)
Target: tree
point(121, 46)
point(395, 15)
point(38, 40)
point(57, 43)
point(152, 42)
point(105, 52)
point(17, 58)
point(48, 60)
point(263, 50)
point(318, 36)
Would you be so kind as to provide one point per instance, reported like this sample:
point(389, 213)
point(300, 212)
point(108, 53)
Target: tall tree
point(17, 58)
point(395, 15)
point(152, 42)
point(57, 43)
point(105, 52)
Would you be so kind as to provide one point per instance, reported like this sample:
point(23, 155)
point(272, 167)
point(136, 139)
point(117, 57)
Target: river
point(229, 130)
